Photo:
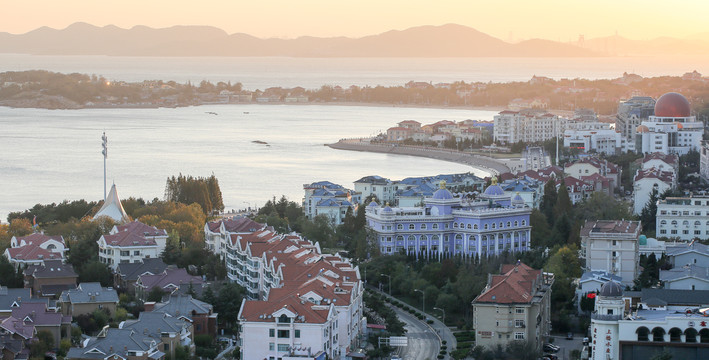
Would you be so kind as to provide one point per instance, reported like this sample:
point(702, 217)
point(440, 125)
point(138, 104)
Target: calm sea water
point(51, 155)
point(310, 73)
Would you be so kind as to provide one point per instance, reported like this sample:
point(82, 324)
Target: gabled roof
point(127, 239)
point(131, 271)
point(32, 253)
point(653, 173)
point(515, 285)
point(90, 293)
point(235, 225)
point(693, 247)
point(113, 208)
point(183, 306)
point(51, 269)
point(37, 239)
point(38, 314)
point(112, 342)
point(138, 228)
point(154, 323)
point(169, 280)
point(684, 272)
point(14, 297)
point(670, 159)
point(677, 297)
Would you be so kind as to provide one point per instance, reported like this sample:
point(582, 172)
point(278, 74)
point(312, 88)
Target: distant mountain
point(425, 41)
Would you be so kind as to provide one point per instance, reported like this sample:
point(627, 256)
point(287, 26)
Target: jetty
point(486, 163)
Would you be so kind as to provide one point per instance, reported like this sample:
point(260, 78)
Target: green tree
point(603, 206)
point(648, 214)
point(96, 271)
point(549, 201)
point(563, 204)
point(9, 276)
point(44, 343)
point(155, 294)
point(541, 233)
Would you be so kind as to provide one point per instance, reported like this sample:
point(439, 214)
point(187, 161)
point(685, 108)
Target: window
point(509, 224)
point(283, 347)
point(516, 223)
point(125, 253)
point(423, 226)
point(524, 222)
point(271, 346)
point(455, 225)
point(412, 227)
point(283, 334)
point(297, 334)
point(475, 227)
point(136, 253)
point(434, 227)
point(519, 336)
point(271, 332)
point(485, 227)
point(284, 319)
point(519, 323)
point(469, 227)
point(399, 227)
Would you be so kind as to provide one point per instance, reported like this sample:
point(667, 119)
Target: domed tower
point(442, 201)
point(609, 310)
point(495, 194)
point(517, 201)
point(672, 105)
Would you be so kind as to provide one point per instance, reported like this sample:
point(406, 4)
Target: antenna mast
point(105, 155)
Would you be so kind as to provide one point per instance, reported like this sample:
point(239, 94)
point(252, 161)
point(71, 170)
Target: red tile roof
point(39, 238)
point(32, 252)
point(128, 239)
point(138, 228)
point(668, 158)
point(664, 176)
point(515, 285)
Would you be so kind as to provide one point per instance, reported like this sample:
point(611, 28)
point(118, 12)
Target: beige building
point(612, 246)
point(86, 298)
point(515, 306)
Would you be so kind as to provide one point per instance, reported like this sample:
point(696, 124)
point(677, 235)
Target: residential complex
point(683, 218)
point(131, 243)
point(447, 226)
point(528, 126)
point(671, 130)
point(331, 200)
point(34, 249)
point(611, 246)
point(514, 305)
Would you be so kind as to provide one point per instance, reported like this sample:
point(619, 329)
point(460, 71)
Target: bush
point(444, 342)
point(429, 321)
point(441, 356)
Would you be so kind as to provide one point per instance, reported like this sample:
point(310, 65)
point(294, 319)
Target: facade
point(637, 326)
point(50, 278)
point(514, 306)
point(672, 130)
point(528, 126)
point(601, 140)
point(218, 233)
point(125, 247)
point(631, 113)
point(331, 200)
point(34, 249)
point(149, 232)
point(383, 189)
point(446, 226)
point(704, 161)
point(648, 180)
point(683, 218)
point(611, 246)
point(592, 165)
point(86, 298)
point(127, 274)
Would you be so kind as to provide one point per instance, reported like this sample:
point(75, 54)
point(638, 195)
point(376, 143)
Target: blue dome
point(373, 204)
point(442, 194)
point(518, 199)
point(494, 190)
point(387, 209)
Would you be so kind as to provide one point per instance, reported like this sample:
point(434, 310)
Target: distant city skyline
point(511, 21)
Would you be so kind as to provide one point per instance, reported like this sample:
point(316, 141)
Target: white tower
point(609, 310)
point(105, 155)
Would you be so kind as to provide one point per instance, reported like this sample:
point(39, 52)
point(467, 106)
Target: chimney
point(149, 306)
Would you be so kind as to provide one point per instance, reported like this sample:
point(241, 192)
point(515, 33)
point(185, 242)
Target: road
point(423, 343)
point(567, 345)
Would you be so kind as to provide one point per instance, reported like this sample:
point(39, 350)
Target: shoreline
point(484, 163)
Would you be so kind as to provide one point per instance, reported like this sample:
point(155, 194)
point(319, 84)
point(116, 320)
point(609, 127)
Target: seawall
point(493, 166)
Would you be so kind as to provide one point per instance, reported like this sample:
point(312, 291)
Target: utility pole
point(105, 155)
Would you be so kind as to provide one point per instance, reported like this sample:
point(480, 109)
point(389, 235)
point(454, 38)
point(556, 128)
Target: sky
point(509, 20)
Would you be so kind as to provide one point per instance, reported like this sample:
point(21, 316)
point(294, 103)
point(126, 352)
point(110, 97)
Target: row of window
point(459, 225)
point(684, 223)
point(458, 237)
point(684, 232)
point(283, 334)
point(458, 248)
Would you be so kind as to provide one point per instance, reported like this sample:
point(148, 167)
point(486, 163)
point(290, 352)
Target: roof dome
point(642, 129)
point(642, 240)
point(517, 200)
point(611, 289)
point(387, 209)
point(442, 193)
point(494, 190)
point(672, 104)
point(373, 204)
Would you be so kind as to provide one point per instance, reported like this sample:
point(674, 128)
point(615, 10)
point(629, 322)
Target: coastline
point(487, 164)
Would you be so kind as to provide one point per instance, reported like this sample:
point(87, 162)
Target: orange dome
point(642, 129)
point(672, 104)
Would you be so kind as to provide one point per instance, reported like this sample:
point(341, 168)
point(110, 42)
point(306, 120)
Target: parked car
point(569, 336)
point(550, 348)
point(585, 341)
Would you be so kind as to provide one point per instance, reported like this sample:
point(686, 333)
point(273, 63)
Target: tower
point(604, 322)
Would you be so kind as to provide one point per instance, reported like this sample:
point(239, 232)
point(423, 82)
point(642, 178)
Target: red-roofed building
point(514, 305)
point(34, 249)
point(149, 232)
point(593, 165)
point(648, 180)
point(125, 247)
point(398, 133)
point(217, 233)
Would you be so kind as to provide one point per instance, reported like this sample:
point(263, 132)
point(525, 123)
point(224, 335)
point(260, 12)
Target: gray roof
point(154, 323)
point(90, 293)
point(8, 296)
point(677, 297)
point(183, 305)
point(691, 247)
point(686, 271)
point(599, 275)
point(112, 341)
point(131, 271)
point(51, 269)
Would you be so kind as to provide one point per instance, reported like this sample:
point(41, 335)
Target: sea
point(49, 156)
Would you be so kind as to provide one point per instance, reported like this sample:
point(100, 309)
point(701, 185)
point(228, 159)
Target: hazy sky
point(505, 19)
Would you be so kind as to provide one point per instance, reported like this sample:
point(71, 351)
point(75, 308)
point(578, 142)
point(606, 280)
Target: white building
point(647, 181)
point(331, 200)
point(125, 247)
point(591, 282)
point(528, 126)
point(149, 232)
point(638, 325)
point(693, 253)
point(593, 165)
point(687, 277)
point(663, 162)
point(672, 130)
point(384, 189)
point(218, 233)
point(611, 246)
point(704, 161)
point(602, 141)
point(34, 249)
point(683, 218)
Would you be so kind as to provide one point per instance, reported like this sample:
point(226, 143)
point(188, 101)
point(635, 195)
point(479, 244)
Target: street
point(423, 343)
point(567, 346)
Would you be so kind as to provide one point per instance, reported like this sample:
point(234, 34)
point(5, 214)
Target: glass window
point(412, 227)
point(297, 334)
point(283, 347)
point(399, 227)
point(271, 346)
point(283, 334)
point(423, 226)
point(271, 332)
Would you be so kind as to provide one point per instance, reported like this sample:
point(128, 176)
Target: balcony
point(603, 317)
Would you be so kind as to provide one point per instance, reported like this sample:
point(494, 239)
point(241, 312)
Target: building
point(50, 278)
point(528, 126)
point(593, 165)
point(169, 281)
point(170, 331)
point(112, 208)
point(638, 325)
point(514, 306)
point(601, 141)
point(127, 274)
point(611, 246)
point(529, 189)
point(631, 113)
point(591, 282)
point(149, 232)
point(647, 181)
point(693, 253)
point(11, 298)
point(672, 130)
point(198, 313)
point(34, 249)
point(683, 218)
point(704, 161)
point(30, 318)
point(687, 277)
point(114, 343)
point(125, 247)
point(218, 233)
point(86, 298)
point(663, 162)
point(383, 189)
point(331, 200)
point(447, 226)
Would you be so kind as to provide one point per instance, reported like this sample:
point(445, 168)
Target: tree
point(155, 294)
point(563, 204)
point(603, 206)
point(9, 276)
point(96, 271)
point(541, 232)
point(44, 343)
point(648, 214)
point(549, 201)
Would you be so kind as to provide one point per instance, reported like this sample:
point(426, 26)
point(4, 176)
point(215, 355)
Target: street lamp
point(444, 314)
point(423, 300)
point(389, 276)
